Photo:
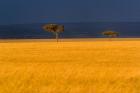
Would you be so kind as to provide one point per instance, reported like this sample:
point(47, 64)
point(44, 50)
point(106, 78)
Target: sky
point(38, 11)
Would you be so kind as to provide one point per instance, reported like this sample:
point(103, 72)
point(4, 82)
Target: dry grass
point(70, 67)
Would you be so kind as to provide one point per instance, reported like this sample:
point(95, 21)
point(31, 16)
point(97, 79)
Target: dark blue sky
point(28, 11)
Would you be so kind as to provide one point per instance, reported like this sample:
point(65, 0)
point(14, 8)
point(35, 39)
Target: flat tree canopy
point(110, 33)
point(54, 28)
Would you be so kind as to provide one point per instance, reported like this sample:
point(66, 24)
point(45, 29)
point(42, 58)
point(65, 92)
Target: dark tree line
point(57, 28)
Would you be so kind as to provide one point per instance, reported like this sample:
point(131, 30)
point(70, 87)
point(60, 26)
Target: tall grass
point(70, 67)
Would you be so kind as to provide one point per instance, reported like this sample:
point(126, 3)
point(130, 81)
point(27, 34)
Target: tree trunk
point(110, 38)
point(56, 36)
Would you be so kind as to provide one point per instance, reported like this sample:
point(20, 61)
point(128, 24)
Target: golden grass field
point(70, 66)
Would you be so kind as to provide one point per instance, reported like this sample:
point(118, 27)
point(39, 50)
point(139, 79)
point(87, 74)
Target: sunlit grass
point(70, 67)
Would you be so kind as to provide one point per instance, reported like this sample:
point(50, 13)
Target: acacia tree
point(54, 28)
point(110, 34)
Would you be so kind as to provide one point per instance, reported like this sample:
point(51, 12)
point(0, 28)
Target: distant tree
point(110, 33)
point(54, 28)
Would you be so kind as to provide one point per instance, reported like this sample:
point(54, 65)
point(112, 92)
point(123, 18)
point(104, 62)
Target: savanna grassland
point(84, 66)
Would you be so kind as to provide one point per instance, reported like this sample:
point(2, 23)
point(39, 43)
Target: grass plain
point(70, 66)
